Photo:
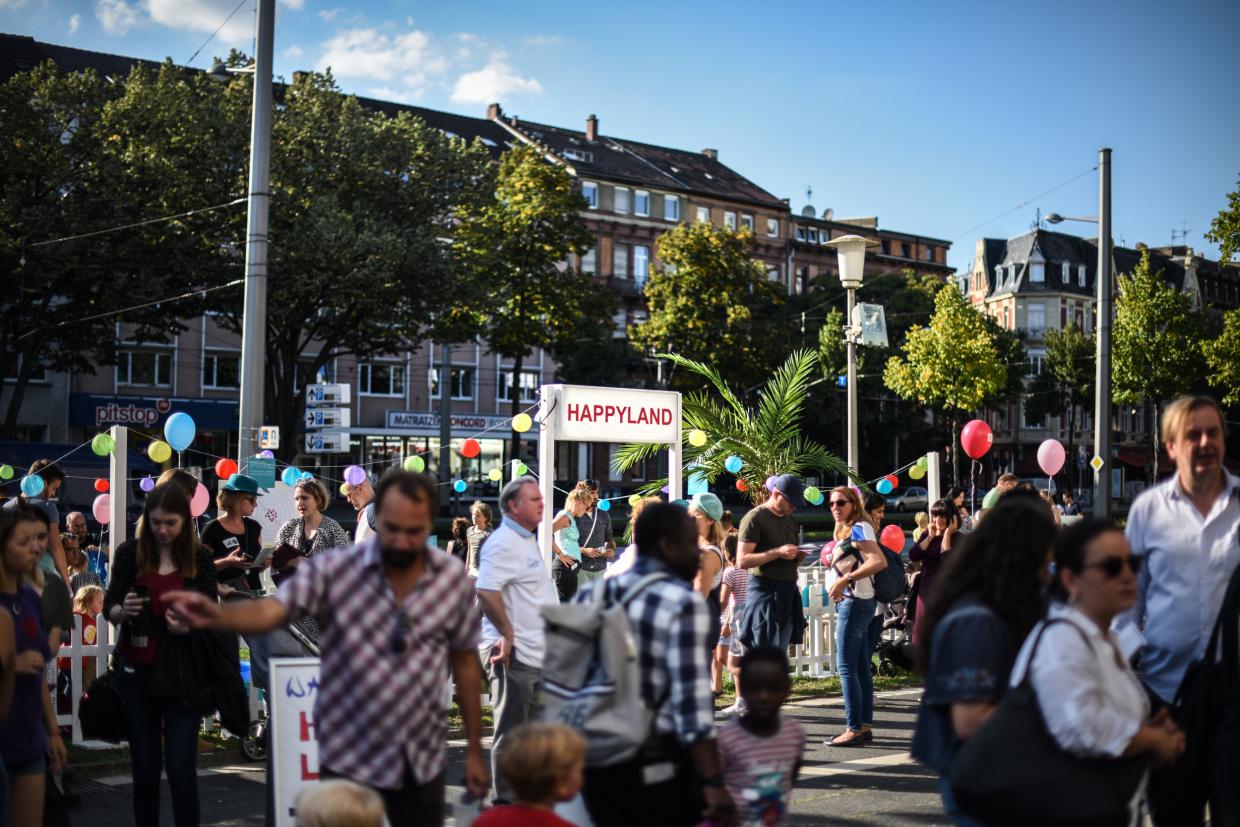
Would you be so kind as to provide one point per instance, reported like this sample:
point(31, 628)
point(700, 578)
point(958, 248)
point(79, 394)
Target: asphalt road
point(877, 784)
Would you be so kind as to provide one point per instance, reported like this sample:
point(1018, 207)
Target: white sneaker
point(729, 711)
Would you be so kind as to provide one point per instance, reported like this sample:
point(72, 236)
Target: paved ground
point(872, 785)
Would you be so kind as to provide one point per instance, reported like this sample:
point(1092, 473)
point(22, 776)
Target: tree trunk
point(955, 449)
point(518, 363)
point(1153, 424)
point(1071, 452)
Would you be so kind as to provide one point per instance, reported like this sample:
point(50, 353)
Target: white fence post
point(77, 652)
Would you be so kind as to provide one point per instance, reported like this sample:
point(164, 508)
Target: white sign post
point(579, 413)
point(293, 739)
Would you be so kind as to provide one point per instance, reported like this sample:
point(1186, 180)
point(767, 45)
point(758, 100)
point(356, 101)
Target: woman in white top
point(1092, 702)
point(856, 560)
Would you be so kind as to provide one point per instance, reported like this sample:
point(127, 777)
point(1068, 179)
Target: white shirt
point(863, 588)
point(623, 563)
point(1188, 561)
point(364, 528)
point(1091, 700)
point(510, 563)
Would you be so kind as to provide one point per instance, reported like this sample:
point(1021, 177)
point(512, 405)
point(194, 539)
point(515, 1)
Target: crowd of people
point(1100, 623)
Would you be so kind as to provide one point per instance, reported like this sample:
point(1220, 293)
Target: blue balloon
point(459, 486)
point(604, 505)
point(179, 430)
point(884, 486)
point(733, 464)
point(290, 476)
point(32, 486)
point(306, 475)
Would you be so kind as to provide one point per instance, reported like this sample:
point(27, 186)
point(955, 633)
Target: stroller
point(896, 652)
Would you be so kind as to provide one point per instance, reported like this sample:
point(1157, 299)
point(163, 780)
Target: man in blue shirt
point(1186, 530)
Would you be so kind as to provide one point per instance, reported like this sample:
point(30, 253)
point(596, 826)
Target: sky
point(949, 119)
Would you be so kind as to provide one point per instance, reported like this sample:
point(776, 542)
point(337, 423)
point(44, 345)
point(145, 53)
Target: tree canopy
point(1225, 228)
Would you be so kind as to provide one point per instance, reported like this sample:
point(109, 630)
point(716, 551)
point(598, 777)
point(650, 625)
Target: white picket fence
point(815, 657)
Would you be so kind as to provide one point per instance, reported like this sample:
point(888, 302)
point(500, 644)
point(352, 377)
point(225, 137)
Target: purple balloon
point(147, 484)
point(667, 489)
point(770, 482)
point(354, 475)
point(267, 453)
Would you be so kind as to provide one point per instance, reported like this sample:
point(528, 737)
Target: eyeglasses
point(840, 503)
point(1113, 566)
point(398, 643)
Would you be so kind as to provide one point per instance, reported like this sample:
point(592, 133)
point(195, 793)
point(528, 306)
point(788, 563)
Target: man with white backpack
point(626, 665)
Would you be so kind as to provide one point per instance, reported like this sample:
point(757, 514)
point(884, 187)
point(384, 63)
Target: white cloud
point(117, 16)
point(293, 52)
point(329, 14)
point(12, 4)
point(294, 4)
point(74, 21)
point(494, 82)
point(540, 40)
point(410, 59)
point(203, 16)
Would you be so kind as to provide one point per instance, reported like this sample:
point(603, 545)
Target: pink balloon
point(828, 550)
point(101, 507)
point(202, 498)
point(892, 538)
point(1050, 457)
point(976, 438)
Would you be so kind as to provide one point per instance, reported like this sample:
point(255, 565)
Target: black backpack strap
point(1227, 626)
point(1033, 653)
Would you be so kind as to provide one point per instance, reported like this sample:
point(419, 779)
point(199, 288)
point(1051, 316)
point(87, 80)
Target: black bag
point(101, 711)
point(1012, 771)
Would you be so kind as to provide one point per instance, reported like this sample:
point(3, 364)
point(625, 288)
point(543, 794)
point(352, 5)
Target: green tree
point(711, 302)
point(1065, 384)
point(768, 438)
point(1155, 347)
point(952, 365)
point(511, 250)
point(1225, 228)
point(1223, 358)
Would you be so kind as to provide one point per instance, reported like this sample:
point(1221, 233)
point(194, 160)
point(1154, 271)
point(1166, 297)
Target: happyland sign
point(588, 414)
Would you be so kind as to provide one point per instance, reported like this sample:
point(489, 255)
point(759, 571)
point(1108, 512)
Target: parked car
point(913, 498)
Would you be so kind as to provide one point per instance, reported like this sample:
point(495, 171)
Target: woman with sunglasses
point(1092, 702)
point(856, 560)
point(233, 538)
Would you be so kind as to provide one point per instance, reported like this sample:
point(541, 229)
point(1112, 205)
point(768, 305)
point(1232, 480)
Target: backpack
point(591, 675)
point(889, 584)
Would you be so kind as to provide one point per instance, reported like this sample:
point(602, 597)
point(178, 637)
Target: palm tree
point(768, 440)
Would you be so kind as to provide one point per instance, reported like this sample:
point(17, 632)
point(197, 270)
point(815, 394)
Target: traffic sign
point(269, 437)
point(336, 394)
point(1096, 463)
point(327, 442)
point(328, 418)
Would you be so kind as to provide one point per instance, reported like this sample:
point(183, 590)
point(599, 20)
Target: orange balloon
point(101, 485)
point(470, 448)
point(741, 485)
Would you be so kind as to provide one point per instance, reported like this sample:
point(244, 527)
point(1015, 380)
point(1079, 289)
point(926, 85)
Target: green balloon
point(6, 472)
point(415, 464)
point(102, 444)
point(922, 464)
point(521, 469)
point(812, 493)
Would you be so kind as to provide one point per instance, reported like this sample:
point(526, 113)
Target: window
point(304, 372)
point(38, 374)
point(772, 273)
point(1035, 315)
point(588, 260)
point(1026, 421)
point(886, 248)
point(929, 254)
point(1080, 275)
point(800, 233)
point(144, 367)
point(641, 203)
point(221, 370)
point(380, 379)
point(747, 220)
point(1037, 272)
point(998, 276)
point(729, 220)
point(530, 380)
point(772, 227)
point(671, 209)
point(579, 155)
point(1035, 363)
point(1065, 273)
point(621, 322)
point(703, 215)
point(813, 235)
point(462, 382)
point(905, 250)
point(641, 263)
point(622, 200)
point(589, 191)
point(620, 261)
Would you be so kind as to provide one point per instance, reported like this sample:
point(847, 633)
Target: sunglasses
point(1113, 566)
point(399, 644)
point(840, 503)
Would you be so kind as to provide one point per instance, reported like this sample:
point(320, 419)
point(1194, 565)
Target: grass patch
point(456, 722)
point(807, 687)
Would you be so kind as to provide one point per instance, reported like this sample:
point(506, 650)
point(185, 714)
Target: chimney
point(712, 154)
point(494, 112)
point(592, 128)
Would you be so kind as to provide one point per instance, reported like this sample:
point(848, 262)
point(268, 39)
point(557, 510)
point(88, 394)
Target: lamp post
point(254, 320)
point(1102, 337)
point(851, 252)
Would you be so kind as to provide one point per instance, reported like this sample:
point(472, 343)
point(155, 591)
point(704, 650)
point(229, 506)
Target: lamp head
point(1054, 218)
point(218, 72)
point(851, 252)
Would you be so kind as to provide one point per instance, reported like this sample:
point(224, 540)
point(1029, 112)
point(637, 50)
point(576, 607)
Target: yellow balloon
point(634, 499)
point(344, 489)
point(495, 475)
point(159, 451)
point(916, 472)
point(522, 423)
point(697, 438)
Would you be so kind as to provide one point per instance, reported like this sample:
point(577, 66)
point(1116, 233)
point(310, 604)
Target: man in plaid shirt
point(675, 778)
point(396, 613)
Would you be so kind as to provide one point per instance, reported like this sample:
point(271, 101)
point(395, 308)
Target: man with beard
point(398, 612)
point(1186, 530)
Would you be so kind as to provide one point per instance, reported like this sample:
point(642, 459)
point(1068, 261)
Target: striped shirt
point(737, 579)
point(759, 770)
point(378, 710)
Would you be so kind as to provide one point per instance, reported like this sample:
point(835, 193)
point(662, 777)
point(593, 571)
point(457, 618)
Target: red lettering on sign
point(308, 774)
point(307, 727)
point(574, 411)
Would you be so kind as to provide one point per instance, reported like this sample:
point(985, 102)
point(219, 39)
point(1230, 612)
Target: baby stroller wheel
point(254, 742)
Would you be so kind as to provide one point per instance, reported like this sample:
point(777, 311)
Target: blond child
point(338, 803)
point(87, 604)
point(923, 524)
point(543, 764)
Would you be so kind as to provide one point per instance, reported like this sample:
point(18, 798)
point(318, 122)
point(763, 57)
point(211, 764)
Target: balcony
point(625, 286)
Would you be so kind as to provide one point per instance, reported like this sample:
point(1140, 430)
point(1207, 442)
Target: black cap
point(792, 488)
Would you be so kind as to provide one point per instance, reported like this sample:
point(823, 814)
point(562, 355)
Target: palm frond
point(704, 370)
point(634, 452)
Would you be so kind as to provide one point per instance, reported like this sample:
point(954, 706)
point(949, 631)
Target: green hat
point(242, 483)
point(708, 504)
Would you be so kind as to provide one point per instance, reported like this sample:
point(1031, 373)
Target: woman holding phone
point(234, 539)
point(929, 551)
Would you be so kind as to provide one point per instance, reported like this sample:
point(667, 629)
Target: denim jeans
point(145, 720)
point(853, 649)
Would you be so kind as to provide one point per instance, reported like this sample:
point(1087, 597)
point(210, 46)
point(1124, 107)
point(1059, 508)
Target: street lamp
point(1102, 365)
point(851, 252)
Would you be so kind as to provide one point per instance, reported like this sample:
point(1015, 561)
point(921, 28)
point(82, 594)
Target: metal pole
point(445, 413)
point(852, 383)
point(1102, 368)
point(254, 322)
point(118, 511)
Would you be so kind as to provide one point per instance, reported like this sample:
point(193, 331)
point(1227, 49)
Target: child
point(338, 803)
point(735, 590)
point(923, 523)
point(543, 764)
point(760, 752)
point(87, 604)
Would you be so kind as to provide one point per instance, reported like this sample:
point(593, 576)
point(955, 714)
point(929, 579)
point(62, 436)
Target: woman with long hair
point(857, 558)
point(987, 597)
point(458, 539)
point(957, 498)
point(165, 557)
point(566, 545)
point(706, 509)
point(930, 552)
point(480, 528)
point(311, 532)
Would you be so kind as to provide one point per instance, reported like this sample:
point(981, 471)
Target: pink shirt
point(759, 770)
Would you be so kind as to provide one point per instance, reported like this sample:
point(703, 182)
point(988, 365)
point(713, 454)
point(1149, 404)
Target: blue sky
point(936, 117)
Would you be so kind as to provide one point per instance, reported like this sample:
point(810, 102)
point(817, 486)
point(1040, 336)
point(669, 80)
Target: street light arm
point(1056, 218)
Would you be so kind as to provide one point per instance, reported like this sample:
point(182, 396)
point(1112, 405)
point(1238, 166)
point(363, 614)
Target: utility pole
point(1102, 367)
point(254, 322)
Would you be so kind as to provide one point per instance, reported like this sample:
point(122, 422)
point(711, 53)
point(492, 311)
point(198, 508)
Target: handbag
point(1013, 772)
point(101, 711)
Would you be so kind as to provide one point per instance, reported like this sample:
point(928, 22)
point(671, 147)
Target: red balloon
point(894, 480)
point(825, 556)
point(470, 448)
point(892, 538)
point(225, 468)
point(976, 438)
point(101, 485)
point(741, 485)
